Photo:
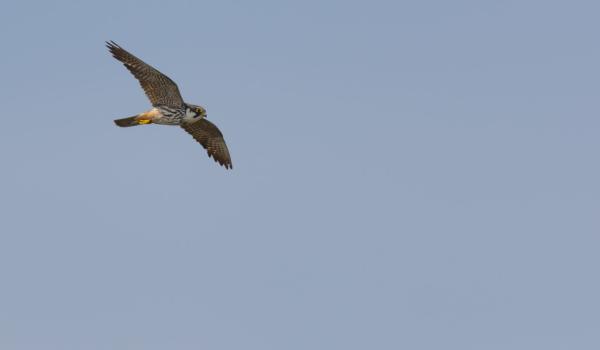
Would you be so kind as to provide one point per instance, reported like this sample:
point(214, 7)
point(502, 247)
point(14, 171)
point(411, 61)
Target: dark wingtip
point(225, 163)
point(114, 48)
point(111, 44)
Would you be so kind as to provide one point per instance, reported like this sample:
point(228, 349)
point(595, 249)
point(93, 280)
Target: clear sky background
point(407, 175)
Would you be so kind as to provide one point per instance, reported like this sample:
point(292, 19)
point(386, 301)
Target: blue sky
point(407, 175)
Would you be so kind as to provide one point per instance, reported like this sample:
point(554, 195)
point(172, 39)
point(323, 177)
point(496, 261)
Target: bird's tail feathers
point(132, 121)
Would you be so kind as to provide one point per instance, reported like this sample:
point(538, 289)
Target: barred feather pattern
point(169, 115)
point(159, 88)
point(211, 138)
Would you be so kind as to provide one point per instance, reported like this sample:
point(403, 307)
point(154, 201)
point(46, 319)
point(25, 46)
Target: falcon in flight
point(169, 107)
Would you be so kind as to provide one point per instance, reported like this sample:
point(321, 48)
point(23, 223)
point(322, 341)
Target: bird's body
point(164, 115)
point(169, 107)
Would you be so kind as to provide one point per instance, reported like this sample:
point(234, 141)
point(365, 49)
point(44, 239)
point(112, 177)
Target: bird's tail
point(132, 121)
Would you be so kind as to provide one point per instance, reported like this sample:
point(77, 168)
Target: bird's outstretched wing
point(159, 88)
point(209, 136)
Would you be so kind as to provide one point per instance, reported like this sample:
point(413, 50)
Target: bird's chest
point(168, 116)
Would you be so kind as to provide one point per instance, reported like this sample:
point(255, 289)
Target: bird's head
point(194, 112)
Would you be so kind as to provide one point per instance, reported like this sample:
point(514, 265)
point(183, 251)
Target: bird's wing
point(159, 88)
point(209, 136)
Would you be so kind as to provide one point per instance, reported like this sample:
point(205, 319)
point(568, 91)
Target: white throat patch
point(189, 115)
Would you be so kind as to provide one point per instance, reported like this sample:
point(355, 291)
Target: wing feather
point(159, 88)
point(211, 138)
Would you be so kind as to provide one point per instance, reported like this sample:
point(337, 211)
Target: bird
point(168, 107)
